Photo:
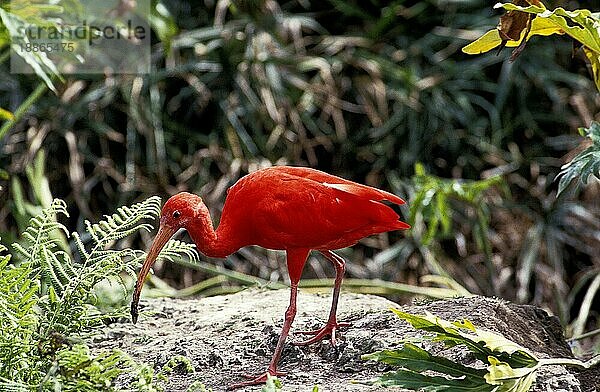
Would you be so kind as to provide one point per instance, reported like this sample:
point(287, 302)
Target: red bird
point(294, 209)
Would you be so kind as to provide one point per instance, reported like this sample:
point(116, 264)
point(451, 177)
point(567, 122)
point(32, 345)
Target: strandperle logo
point(89, 32)
point(87, 36)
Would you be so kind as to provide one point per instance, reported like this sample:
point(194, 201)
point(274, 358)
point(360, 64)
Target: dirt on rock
point(227, 336)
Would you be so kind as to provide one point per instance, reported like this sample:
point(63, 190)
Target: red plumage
point(287, 208)
point(290, 207)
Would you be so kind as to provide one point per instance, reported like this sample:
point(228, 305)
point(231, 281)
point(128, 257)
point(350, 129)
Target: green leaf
point(509, 379)
point(38, 179)
point(584, 164)
point(491, 39)
point(483, 343)
point(433, 198)
point(52, 295)
point(12, 386)
point(594, 60)
point(511, 367)
point(416, 359)
point(174, 249)
point(38, 60)
point(488, 41)
point(45, 305)
point(123, 223)
point(580, 24)
point(421, 382)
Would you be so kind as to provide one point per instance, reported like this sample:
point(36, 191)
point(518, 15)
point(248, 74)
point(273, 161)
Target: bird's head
point(177, 213)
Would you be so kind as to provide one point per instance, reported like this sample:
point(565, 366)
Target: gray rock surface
point(232, 335)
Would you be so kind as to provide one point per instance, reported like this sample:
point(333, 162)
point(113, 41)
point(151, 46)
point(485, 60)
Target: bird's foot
point(255, 380)
point(328, 330)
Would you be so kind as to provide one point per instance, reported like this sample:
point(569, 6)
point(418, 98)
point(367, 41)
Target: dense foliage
point(508, 365)
point(378, 92)
point(49, 304)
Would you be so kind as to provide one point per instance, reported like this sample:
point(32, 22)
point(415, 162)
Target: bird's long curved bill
point(163, 235)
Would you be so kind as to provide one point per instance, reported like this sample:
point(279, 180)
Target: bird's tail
point(387, 218)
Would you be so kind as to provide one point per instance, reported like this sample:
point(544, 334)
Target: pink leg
point(295, 260)
point(332, 324)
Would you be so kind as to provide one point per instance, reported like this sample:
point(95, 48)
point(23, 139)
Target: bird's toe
point(255, 380)
point(329, 329)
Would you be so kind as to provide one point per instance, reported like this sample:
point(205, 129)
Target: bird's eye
point(176, 214)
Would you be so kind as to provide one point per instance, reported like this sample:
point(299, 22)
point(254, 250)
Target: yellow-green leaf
point(594, 59)
point(6, 115)
point(580, 24)
point(465, 324)
point(466, 329)
point(491, 39)
point(497, 342)
point(509, 379)
point(483, 44)
point(545, 27)
point(52, 295)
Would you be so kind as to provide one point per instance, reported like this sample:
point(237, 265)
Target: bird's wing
point(339, 183)
point(286, 209)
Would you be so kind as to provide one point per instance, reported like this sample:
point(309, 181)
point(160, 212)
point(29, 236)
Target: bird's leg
point(332, 324)
point(296, 260)
point(272, 369)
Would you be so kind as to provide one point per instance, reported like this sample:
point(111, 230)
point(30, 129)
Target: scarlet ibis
point(294, 209)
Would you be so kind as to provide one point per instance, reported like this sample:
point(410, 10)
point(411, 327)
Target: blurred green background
point(374, 91)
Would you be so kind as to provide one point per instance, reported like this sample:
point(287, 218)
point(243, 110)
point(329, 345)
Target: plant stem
point(586, 306)
point(585, 335)
point(33, 97)
point(376, 286)
point(450, 283)
point(432, 263)
point(360, 286)
point(231, 275)
point(571, 362)
point(366, 286)
point(201, 287)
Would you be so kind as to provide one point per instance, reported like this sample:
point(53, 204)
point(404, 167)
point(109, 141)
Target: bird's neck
point(208, 241)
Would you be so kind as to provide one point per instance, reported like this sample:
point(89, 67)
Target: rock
point(231, 335)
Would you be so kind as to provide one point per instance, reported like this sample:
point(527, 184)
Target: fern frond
point(584, 164)
point(100, 263)
point(43, 230)
point(174, 249)
point(125, 222)
point(17, 293)
point(53, 272)
point(105, 264)
point(80, 370)
point(80, 246)
point(4, 261)
point(12, 386)
point(18, 321)
point(48, 298)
